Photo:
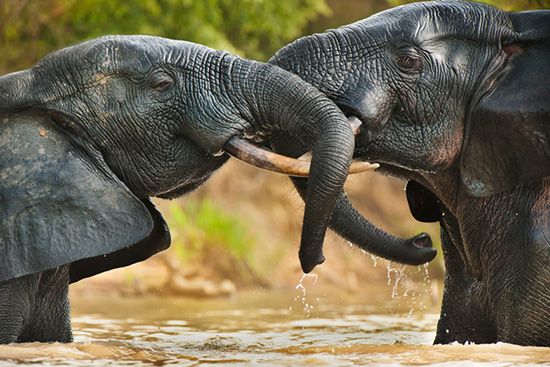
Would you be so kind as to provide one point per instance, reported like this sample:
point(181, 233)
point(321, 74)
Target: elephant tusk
point(355, 124)
point(353, 121)
point(258, 157)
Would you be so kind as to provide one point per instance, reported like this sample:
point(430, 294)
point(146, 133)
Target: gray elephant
point(92, 131)
point(455, 99)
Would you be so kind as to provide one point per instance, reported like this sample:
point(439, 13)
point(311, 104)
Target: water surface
point(263, 329)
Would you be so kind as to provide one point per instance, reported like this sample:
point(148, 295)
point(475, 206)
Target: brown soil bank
point(241, 230)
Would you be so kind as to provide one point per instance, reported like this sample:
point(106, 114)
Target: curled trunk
point(280, 101)
point(351, 225)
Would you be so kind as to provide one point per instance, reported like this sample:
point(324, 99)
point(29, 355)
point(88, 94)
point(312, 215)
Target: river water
point(264, 328)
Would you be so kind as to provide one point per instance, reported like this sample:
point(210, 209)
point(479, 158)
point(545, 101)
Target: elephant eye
point(409, 60)
point(161, 81)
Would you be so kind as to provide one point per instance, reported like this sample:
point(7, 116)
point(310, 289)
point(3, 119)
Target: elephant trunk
point(308, 59)
point(280, 101)
point(351, 225)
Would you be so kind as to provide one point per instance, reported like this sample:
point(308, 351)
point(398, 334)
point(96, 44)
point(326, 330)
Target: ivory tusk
point(355, 124)
point(265, 159)
point(353, 121)
point(262, 158)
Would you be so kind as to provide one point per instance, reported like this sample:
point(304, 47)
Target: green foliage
point(253, 28)
point(515, 5)
point(200, 224)
point(509, 5)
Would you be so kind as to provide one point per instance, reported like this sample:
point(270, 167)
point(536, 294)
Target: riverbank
point(241, 231)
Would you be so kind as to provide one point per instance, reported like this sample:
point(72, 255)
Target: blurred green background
point(242, 227)
point(252, 28)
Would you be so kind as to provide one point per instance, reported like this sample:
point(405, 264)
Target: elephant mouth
point(260, 157)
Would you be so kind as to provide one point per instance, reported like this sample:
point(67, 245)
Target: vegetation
point(516, 5)
point(211, 243)
point(510, 5)
point(202, 223)
point(253, 28)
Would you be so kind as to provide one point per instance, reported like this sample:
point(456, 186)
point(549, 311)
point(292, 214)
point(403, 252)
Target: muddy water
point(264, 329)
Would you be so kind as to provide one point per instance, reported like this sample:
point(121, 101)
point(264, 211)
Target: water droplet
point(374, 260)
point(300, 286)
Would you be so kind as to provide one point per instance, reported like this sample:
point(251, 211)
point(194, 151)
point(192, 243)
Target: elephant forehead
point(426, 21)
point(124, 53)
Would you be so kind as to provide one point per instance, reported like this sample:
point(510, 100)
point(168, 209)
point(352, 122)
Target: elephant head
point(440, 87)
point(93, 130)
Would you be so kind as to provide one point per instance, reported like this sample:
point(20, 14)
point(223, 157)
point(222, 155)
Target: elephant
point(454, 99)
point(92, 131)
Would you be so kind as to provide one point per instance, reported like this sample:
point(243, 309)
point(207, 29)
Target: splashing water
point(307, 307)
point(426, 273)
point(374, 260)
point(428, 289)
point(411, 287)
point(399, 274)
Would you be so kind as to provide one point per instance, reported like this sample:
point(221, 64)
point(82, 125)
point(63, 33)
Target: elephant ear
point(158, 240)
point(59, 204)
point(507, 138)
